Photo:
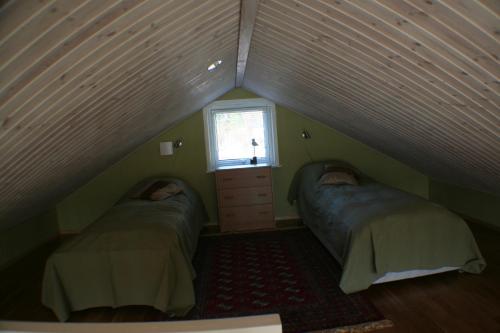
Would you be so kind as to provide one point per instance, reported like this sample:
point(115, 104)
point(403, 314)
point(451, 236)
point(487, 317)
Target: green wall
point(477, 205)
point(189, 163)
point(24, 237)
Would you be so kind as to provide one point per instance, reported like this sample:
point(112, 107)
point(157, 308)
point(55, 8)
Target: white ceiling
point(82, 83)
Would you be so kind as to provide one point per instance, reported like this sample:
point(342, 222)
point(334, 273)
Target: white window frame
point(240, 105)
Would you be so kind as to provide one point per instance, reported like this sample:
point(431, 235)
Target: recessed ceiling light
point(214, 65)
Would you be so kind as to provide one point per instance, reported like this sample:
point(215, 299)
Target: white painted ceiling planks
point(82, 83)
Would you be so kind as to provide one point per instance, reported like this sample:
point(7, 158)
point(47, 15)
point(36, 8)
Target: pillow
point(159, 190)
point(165, 192)
point(338, 178)
point(139, 188)
point(333, 167)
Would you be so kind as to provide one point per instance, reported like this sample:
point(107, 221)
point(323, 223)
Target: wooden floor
point(448, 302)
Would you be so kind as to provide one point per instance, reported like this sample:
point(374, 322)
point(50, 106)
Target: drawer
point(246, 217)
point(245, 196)
point(248, 177)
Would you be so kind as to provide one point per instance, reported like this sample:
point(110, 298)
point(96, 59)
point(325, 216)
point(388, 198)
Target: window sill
point(246, 166)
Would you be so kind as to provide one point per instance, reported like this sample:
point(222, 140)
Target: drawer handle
point(263, 213)
point(262, 195)
point(227, 179)
point(261, 176)
point(229, 197)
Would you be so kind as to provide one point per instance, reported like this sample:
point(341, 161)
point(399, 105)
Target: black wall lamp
point(305, 134)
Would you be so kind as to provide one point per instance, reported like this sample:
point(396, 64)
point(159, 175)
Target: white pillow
point(338, 178)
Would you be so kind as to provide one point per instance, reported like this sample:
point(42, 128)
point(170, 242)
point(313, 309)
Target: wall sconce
point(305, 135)
point(178, 143)
point(167, 147)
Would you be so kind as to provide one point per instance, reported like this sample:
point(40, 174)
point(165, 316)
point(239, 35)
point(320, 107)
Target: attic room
point(249, 166)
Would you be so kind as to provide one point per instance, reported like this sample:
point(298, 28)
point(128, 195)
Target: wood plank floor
point(448, 302)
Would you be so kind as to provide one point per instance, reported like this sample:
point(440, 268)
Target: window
point(232, 126)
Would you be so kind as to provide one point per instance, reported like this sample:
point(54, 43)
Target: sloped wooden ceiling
point(84, 82)
point(416, 79)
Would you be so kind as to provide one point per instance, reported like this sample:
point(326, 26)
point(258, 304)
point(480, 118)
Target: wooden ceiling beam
point(248, 14)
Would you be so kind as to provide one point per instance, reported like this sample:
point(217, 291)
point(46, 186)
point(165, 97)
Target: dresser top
point(244, 166)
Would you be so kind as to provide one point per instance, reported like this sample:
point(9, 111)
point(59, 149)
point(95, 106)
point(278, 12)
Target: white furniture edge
point(265, 323)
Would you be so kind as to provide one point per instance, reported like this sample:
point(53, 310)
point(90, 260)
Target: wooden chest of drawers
point(245, 199)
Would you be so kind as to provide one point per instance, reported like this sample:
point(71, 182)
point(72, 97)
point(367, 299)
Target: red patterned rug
point(285, 272)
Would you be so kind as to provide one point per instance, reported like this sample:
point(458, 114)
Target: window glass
point(237, 130)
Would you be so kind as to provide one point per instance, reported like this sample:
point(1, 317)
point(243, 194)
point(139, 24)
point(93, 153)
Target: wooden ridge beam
point(247, 21)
